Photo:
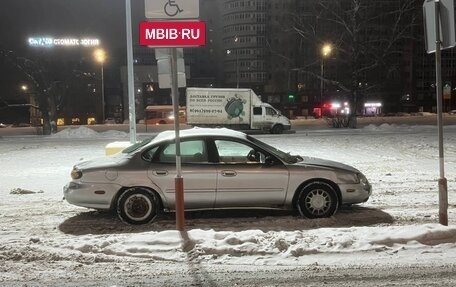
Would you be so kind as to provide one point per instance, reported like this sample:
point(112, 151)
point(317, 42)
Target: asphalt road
point(297, 125)
point(197, 274)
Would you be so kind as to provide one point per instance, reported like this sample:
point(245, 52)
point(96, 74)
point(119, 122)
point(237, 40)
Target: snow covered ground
point(42, 236)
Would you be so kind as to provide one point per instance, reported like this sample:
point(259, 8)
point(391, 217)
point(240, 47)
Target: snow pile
point(80, 132)
point(24, 191)
point(281, 248)
point(85, 132)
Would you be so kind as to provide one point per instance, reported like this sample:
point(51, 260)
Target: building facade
point(264, 45)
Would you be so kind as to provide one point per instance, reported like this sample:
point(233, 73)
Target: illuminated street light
point(24, 88)
point(100, 57)
point(325, 52)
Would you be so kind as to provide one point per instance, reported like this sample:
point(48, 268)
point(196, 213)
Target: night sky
point(102, 19)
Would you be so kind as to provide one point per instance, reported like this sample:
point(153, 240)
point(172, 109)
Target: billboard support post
point(443, 190)
point(179, 180)
point(173, 34)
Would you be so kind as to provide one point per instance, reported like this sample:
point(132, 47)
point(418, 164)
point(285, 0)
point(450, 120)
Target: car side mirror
point(269, 160)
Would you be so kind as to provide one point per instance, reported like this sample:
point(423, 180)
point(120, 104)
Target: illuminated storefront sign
point(372, 105)
point(172, 33)
point(51, 42)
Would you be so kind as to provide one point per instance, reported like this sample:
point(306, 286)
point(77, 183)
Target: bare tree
point(367, 36)
point(47, 92)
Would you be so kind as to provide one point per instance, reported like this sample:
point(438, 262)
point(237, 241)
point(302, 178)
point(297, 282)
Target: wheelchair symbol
point(172, 9)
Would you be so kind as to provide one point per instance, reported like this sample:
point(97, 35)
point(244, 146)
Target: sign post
point(173, 34)
point(131, 84)
point(446, 96)
point(179, 180)
point(432, 17)
point(163, 57)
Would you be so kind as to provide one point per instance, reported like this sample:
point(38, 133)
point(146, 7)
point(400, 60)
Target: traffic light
point(291, 97)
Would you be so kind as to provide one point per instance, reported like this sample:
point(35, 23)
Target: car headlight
point(76, 173)
point(351, 178)
point(362, 178)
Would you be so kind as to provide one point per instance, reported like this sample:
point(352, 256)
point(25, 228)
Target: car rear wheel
point(137, 206)
point(317, 200)
point(277, 129)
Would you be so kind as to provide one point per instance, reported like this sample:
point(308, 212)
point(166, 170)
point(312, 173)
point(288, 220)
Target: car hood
point(103, 162)
point(326, 163)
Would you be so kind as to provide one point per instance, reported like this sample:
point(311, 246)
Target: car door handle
point(229, 173)
point(160, 172)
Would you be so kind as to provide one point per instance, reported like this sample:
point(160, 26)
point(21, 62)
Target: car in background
point(222, 169)
point(163, 114)
point(2, 125)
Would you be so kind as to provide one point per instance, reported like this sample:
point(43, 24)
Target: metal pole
point(102, 95)
point(131, 91)
point(289, 79)
point(237, 70)
point(179, 181)
point(321, 81)
point(443, 191)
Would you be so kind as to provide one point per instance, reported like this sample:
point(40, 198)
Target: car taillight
point(76, 173)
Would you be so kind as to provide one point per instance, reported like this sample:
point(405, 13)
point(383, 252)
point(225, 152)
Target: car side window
point(257, 111)
point(235, 152)
point(270, 112)
point(192, 151)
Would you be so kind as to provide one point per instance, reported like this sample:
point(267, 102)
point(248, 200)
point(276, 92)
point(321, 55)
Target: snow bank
point(24, 191)
point(285, 247)
point(85, 132)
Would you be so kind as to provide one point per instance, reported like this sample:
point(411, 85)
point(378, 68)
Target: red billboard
point(172, 33)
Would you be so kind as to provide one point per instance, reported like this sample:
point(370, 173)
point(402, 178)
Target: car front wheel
point(317, 200)
point(277, 129)
point(137, 206)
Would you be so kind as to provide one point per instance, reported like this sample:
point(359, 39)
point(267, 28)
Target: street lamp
point(229, 52)
point(100, 57)
point(236, 40)
point(325, 52)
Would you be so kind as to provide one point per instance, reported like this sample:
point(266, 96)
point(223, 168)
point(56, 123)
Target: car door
point(264, 117)
point(244, 181)
point(199, 175)
point(258, 118)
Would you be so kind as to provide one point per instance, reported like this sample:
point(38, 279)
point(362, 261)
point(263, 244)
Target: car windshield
point(285, 156)
point(137, 146)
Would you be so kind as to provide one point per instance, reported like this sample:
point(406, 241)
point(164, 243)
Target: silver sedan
point(221, 168)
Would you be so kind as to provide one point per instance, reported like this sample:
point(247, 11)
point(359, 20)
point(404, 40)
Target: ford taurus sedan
point(221, 168)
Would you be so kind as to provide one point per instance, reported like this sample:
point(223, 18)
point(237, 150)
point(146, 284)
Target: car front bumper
point(355, 193)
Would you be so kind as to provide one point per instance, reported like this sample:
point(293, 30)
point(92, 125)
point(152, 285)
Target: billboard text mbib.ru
point(172, 34)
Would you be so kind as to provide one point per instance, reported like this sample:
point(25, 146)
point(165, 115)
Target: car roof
point(196, 131)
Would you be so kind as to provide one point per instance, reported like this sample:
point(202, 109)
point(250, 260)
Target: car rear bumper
point(97, 196)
